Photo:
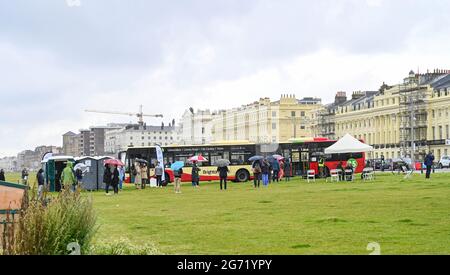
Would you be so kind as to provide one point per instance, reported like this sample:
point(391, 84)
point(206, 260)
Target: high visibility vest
point(321, 162)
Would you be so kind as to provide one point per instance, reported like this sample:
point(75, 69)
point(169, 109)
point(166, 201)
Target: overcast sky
point(56, 59)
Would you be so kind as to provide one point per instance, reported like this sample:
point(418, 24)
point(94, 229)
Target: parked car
point(377, 164)
point(444, 162)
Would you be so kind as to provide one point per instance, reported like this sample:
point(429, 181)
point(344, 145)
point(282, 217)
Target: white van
point(444, 162)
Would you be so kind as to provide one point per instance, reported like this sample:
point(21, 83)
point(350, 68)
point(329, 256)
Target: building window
point(274, 114)
point(302, 113)
point(433, 113)
point(274, 126)
point(433, 131)
point(143, 138)
point(447, 131)
point(292, 113)
point(302, 127)
point(440, 132)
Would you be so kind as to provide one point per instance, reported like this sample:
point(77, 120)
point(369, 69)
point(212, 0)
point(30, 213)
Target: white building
point(8, 164)
point(196, 127)
point(136, 135)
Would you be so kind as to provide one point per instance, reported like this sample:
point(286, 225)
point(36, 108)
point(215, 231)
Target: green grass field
point(409, 216)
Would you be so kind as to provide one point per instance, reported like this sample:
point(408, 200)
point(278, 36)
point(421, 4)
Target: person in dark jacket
point(223, 174)
point(2, 175)
point(107, 178)
point(115, 179)
point(287, 170)
point(41, 183)
point(25, 176)
point(195, 175)
point(429, 158)
point(256, 173)
point(276, 170)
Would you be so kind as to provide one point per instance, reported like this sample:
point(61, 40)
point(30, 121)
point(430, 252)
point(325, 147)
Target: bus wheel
point(242, 176)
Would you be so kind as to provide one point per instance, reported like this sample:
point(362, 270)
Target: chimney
point(340, 98)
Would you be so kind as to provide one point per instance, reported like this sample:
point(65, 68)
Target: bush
point(123, 247)
point(47, 227)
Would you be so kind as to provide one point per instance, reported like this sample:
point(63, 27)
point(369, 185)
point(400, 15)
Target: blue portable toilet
point(90, 176)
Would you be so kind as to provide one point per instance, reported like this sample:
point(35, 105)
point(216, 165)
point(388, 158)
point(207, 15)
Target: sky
point(60, 57)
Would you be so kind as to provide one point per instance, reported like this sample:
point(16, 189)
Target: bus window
point(237, 159)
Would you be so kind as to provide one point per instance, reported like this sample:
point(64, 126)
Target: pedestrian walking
point(25, 176)
point(256, 173)
point(270, 171)
point(41, 183)
point(178, 174)
point(276, 170)
point(107, 178)
point(68, 176)
point(195, 174)
point(159, 170)
point(115, 179)
point(144, 175)
point(223, 175)
point(287, 170)
point(429, 158)
point(2, 175)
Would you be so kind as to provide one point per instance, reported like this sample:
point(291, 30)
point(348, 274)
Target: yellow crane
point(140, 115)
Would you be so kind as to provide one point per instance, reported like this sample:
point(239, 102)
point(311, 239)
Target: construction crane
point(140, 115)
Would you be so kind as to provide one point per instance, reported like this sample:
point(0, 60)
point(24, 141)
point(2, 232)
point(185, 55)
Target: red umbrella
point(114, 162)
point(199, 158)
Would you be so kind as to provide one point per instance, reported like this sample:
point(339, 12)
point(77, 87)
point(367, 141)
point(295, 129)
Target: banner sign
point(160, 158)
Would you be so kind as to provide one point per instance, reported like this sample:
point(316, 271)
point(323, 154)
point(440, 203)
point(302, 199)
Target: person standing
point(68, 176)
point(276, 170)
point(41, 181)
point(223, 175)
point(256, 173)
point(107, 178)
point(2, 175)
point(429, 158)
point(144, 175)
point(159, 170)
point(270, 171)
point(137, 177)
point(115, 179)
point(121, 176)
point(79, 177)
point(321, 165)
point(178, 174)
point(195, 175)
point(25, 176)
point(287, 170)
point(265, 170)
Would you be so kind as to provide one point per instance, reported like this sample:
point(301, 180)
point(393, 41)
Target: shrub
point(123, 247)
point(47, 227)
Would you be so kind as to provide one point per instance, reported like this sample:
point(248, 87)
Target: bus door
point(305, 164)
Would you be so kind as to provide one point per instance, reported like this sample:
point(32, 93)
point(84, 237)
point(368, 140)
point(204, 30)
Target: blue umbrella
point(271, 159)
point(177, 165)
point(256, 158)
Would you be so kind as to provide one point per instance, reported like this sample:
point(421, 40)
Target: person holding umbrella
point(115, 179)
point(195, 174)
point(256, 173)
point(177, 169)
point(223, 175)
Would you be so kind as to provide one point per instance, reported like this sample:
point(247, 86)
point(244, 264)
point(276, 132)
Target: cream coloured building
point(265, 121)
point(384, 119)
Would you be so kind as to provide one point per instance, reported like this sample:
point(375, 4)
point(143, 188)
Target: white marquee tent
point(348, 144)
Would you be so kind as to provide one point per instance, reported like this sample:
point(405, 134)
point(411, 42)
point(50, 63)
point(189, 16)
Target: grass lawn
point(404, 216)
